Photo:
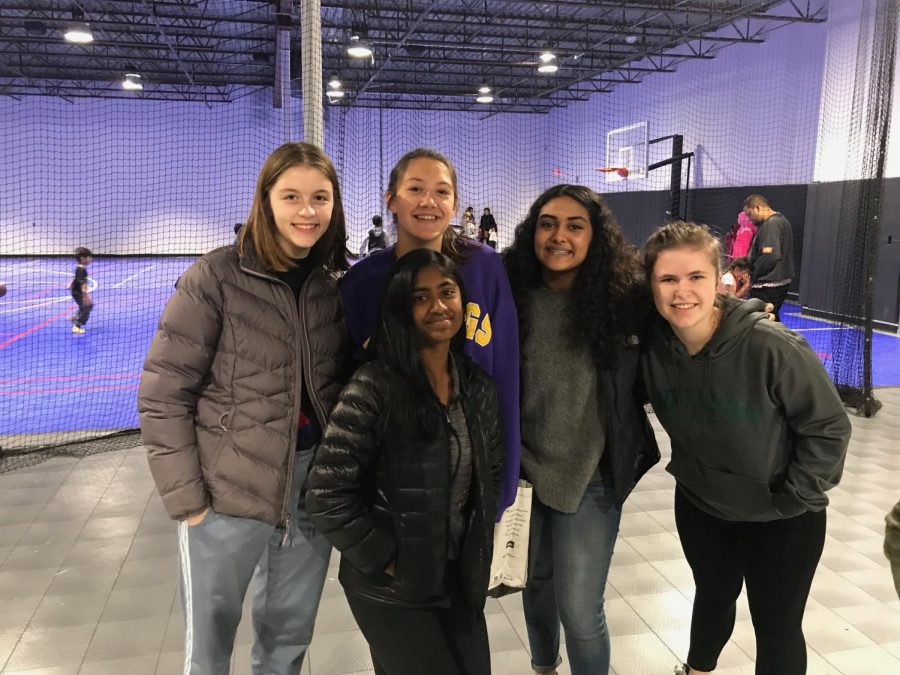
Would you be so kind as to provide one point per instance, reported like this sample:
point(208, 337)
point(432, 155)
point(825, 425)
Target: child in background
point(740, 272)
point(80, 290)
point(739, 240)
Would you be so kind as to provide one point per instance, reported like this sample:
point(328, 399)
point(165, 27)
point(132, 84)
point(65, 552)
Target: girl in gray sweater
point(585, 437)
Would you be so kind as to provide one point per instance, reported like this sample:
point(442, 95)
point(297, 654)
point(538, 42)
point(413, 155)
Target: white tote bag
point(509, 565)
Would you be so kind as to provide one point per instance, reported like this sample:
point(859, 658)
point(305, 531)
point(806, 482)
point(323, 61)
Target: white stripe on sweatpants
point(185, 554)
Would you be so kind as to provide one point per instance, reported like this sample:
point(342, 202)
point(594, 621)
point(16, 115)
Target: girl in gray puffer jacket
point(249, 358)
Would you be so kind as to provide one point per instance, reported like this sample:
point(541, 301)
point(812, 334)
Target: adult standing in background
point(487, 229)
point(771, 254)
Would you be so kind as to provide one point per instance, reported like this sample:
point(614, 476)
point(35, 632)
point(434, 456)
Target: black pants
point(773, 294)
point(433, 640)
point(85, 305)
point(777, 559)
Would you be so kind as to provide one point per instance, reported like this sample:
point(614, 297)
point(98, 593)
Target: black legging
point(777, 559)
point(435, 640)
point(85, 305)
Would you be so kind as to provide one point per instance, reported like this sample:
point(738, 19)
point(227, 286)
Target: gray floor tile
point(141, 665)
point(126, 639)
point(98, 577)
point(15, 585)
point(112, 527)
point(143, 602)
point(150, 572)
point(101, 513)
point(50, 648)
point(61, 611)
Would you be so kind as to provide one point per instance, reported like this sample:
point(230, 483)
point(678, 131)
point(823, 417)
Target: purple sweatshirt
point(492, 332)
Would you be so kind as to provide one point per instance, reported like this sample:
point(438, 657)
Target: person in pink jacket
point(741, 237)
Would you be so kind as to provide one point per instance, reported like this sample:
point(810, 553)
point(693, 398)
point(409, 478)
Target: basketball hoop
point(621, 170)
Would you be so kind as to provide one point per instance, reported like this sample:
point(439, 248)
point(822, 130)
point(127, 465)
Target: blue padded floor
point(54, 381)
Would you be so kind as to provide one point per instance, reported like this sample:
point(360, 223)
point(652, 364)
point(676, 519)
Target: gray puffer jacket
point(220, 397)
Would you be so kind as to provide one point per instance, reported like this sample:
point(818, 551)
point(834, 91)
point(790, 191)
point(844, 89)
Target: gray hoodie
point(758, 430)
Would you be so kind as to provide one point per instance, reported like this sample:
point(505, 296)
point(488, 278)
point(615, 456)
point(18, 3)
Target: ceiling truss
point(428, 54)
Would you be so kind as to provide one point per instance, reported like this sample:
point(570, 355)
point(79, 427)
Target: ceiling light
point(132, 82)
point(484, 98)
point(484, 89)
point(549, 63)
point(334, 83)
point(358, 48)
point(631, 39)
point(334, 95)
point(79, 33)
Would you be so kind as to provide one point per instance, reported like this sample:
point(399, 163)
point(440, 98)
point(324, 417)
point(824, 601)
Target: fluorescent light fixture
point(484, 89)
point(358, 48)
point(334, 94)
point(132, 82)
point(484, 98)
point(79, 33)
point(549, 62)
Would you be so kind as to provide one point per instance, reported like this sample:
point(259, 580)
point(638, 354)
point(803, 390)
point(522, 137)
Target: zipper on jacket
point(292, 446)
point(305, 353)
point(287, 531)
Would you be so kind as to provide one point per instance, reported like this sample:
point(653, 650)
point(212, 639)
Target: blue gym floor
point(52, 380)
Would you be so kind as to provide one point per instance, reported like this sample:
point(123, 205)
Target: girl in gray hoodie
point(758, 434)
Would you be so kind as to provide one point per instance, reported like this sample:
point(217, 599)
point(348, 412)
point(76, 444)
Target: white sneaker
point(680, 670)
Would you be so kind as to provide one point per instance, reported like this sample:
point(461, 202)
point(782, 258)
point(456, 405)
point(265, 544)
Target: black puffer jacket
point(220, 394)
point(379, 502)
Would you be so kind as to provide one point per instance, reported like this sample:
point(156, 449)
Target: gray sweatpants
point(219, 556)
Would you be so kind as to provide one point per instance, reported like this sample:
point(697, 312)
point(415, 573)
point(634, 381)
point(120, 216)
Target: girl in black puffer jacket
point(406, 481)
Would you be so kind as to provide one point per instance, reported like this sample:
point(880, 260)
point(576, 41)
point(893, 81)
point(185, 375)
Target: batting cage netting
point(142, 147)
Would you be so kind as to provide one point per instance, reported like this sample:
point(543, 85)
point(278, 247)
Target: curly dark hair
point(610, 299)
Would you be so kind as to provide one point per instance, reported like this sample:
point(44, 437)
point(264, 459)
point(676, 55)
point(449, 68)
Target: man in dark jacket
point(771, 254)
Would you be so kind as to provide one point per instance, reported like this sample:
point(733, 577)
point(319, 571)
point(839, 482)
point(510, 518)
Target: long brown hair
point(451, 246)
point(260, 230)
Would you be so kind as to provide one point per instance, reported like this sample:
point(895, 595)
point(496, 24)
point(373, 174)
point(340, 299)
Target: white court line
point(136, 274)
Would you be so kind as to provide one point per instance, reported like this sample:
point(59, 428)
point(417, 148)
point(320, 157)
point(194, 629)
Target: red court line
point(66, 390)
point(63, 378)
point(19, 336)
point(41, 294)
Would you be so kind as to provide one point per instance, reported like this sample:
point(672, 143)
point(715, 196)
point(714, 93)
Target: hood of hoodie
point(730, 445)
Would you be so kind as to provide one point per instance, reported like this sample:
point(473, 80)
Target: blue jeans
point(219, 556)
point(569, 563)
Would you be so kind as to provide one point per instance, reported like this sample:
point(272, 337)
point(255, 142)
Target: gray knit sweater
point(562, 426)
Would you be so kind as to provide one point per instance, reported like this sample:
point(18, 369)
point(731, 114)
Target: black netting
point(798, 111)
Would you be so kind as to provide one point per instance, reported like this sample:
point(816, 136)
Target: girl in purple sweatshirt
point(422, 197)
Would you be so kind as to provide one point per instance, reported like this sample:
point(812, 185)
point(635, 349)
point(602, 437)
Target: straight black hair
point(398, 344)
